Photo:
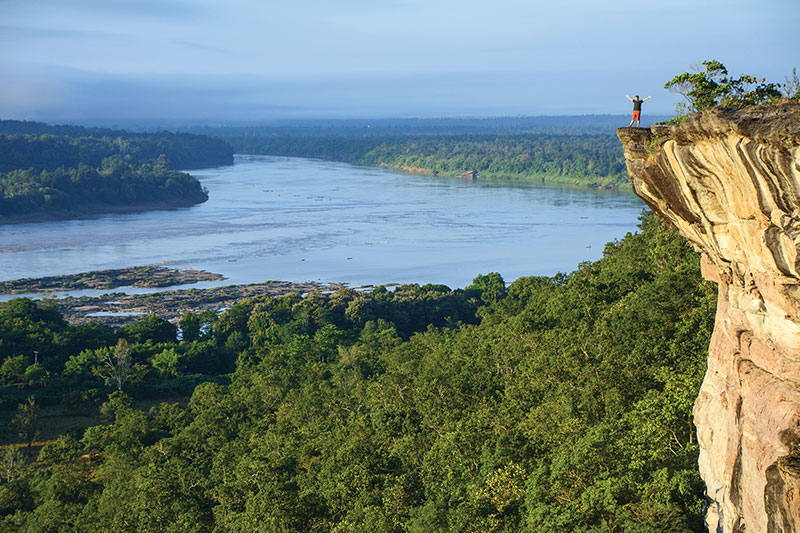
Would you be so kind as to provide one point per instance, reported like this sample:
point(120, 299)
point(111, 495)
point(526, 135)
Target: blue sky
point(214, 61)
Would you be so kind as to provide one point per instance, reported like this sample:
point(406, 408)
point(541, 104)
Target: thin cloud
point(252, 58)
point(30, 32)
point(202, 47)
point(158, 9)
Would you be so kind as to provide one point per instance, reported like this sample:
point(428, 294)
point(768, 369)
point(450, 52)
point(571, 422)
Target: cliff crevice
point(729, 181)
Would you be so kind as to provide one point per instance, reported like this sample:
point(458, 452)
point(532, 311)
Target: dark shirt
point(637, 105)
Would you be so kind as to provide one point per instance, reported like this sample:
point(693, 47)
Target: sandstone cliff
point(730, 182)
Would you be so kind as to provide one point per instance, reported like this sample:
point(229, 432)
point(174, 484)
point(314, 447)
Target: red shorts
point(636, 115)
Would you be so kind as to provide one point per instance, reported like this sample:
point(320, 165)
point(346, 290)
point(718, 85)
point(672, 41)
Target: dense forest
point(585, 160)
point(59, 170)
point(554, 404)
point(44, 147)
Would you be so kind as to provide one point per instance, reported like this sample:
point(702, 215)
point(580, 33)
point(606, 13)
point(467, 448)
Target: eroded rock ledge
point(730, 182)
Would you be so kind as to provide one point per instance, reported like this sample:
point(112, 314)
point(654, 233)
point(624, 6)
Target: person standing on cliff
point(637, 108)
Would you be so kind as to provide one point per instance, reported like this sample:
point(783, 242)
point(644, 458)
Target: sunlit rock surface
point(730, 182)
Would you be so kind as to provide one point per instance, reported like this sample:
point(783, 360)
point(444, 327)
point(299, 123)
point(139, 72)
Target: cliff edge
point(729, 181)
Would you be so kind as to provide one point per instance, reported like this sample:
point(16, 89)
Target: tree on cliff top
point(791, 88)
point(714, 86)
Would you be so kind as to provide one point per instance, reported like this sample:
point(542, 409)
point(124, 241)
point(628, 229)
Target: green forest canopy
point(554, 404)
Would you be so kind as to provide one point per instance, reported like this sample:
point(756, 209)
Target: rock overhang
point(729, 181)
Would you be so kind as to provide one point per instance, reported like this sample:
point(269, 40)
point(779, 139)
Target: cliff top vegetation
point(714, 86)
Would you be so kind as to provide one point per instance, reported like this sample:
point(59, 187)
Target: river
point(277, 218)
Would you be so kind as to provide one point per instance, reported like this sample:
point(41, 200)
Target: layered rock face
point(730, 182)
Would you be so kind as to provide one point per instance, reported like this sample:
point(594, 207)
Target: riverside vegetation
point(589, 160)
point(68, 170)
point(554, 404)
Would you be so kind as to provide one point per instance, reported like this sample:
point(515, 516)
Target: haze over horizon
point(126, 61)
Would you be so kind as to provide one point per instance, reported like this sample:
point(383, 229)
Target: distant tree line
point(518, 125)
point(59, 169)
point(43, 147)
point(585, 160)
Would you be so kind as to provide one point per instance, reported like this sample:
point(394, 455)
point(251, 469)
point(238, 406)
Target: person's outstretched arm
point(648, 98)
point(629, 97)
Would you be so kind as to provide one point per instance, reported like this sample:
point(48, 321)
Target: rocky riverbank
point(137, 276)
point(116, 309)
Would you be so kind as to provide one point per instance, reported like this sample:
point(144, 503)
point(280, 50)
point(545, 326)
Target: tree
point(26, 421)
point(118, 368)
point(151, 328)
point(190, 327)
point(82, 364)
point(13, 369)
point(35, 373)
point(195, 326)
point(713, 86)
point(791, 88)
point(168, 362)
point(12, 464)
point(491, 286)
